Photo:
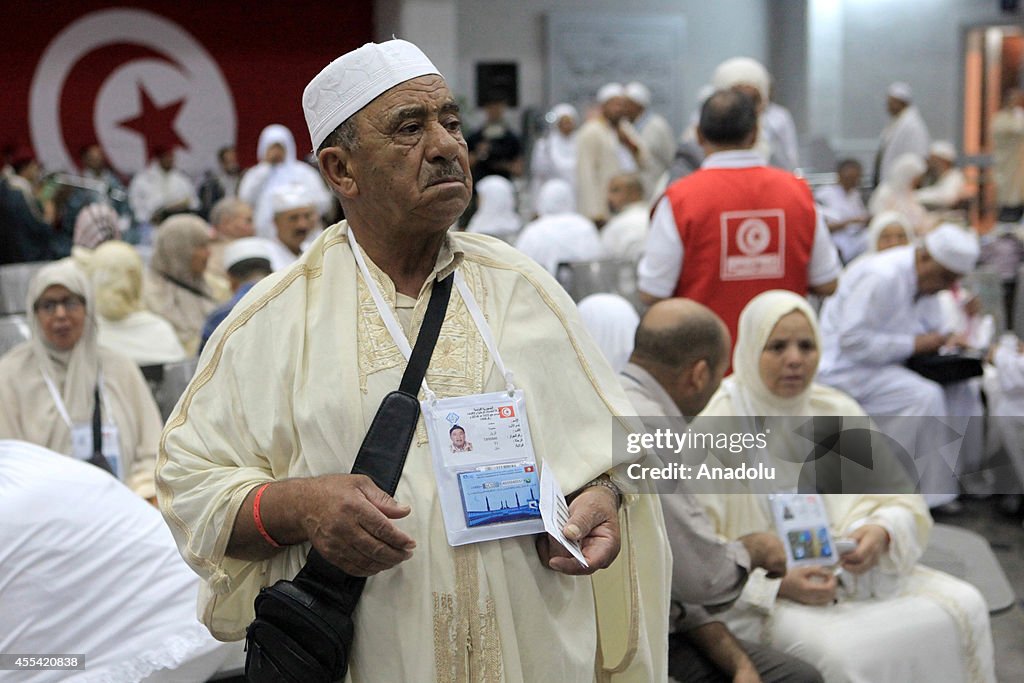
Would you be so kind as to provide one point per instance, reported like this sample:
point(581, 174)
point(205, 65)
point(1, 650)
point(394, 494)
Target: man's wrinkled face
point(411, 163)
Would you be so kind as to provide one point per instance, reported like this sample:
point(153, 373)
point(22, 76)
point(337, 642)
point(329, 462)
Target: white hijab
point(73, 372)
point(496, 212)
point(757, 320)
point(612, 322)
point(885, 220)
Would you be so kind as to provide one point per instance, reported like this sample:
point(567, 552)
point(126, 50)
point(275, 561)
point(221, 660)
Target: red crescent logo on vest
point(753, 244)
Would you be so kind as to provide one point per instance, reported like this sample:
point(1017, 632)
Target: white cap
point(955, 248)
point(610, 90)
point(901, 91)
point(245, 248)
point(943, 150)
point(639, 93)
point(355, 79)
point(560, 110)
point(742, 71)
point(288, 197)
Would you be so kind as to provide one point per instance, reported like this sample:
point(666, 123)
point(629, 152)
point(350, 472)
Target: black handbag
point(946, 369)
point(303, 629)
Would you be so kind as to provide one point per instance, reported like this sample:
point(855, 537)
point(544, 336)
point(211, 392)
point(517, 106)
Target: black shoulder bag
point(303, 628)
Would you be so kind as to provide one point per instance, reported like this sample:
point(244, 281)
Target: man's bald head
point(684, 346)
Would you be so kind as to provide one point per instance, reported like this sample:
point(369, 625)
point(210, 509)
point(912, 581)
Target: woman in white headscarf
point(49, 384)
point(889, 229)
point(896, 193)
point(278, 165)
point(496, 208)
point(891, 619)
point(559, 235)
point(125, 326)
point(554, 155)
point(177, 286)
point(612, 321)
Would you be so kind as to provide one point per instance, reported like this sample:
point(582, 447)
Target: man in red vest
point(736, 227)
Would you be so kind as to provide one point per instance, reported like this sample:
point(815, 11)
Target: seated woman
point(56, 387)
point(887, 230)
point(124, 324)
point(890, 619)
point(177, 286)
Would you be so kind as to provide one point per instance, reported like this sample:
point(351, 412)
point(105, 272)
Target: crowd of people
point(757, 298)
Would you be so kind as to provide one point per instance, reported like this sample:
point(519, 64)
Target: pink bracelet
point(259, 520)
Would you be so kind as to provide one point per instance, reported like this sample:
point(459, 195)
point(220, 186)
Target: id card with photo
point(485, 466)
point(801, 521)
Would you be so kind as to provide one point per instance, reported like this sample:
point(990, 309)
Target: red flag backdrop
point(195, 76)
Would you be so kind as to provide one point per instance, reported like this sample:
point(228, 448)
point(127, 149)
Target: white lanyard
point(59, 402)
point(398, 334)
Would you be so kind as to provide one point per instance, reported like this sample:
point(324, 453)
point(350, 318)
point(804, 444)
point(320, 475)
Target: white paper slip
point(555, 512)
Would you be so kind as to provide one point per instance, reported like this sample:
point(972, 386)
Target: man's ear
point(336, 171)
point(699, 375)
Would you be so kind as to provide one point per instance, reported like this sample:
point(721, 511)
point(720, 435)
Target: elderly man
point(842, 206)
point(1008, 156)
point(871, 327)
point(735, 228)
point(295, 218)
point(231, 219)
point(906, 132)
point(161, 190)
point(310, 358)
point(654, 131)
point(624, 235)
point(948, 186)
point(606, 146)
point(680, 354)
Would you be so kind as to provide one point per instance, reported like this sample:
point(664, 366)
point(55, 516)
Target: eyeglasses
point(71, 304)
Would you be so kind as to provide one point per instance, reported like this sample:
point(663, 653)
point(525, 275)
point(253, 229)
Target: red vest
point(744, 231)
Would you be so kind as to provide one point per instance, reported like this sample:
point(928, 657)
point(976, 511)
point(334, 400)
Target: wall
point(859, 46)
point(497, 30)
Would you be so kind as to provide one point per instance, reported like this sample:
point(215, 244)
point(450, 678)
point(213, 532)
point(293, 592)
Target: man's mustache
point(445, 172)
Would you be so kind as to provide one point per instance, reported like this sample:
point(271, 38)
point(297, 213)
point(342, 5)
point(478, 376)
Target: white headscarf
point(74, 372)
point(176, 239)
point(612, 322)
point(556, 196)
point(757, 320)
point(896, 193)
point(884, 220)
point(496, 213)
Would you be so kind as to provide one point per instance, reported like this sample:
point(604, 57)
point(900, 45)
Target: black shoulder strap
point(384, 449)
point(98, 459)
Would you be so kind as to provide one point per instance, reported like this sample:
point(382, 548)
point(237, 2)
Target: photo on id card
point(801, 521)
point(485, 466)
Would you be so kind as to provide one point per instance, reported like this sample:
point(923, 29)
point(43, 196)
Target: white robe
point(624, 235)
point(560, 238)
point(296, 403)
point(780, 130)
point(601, 157)
point(91, 569)
point(153, 188)
point(144, 337)
point(838, 205)
point(868, 328)
point(1008, 156)
point(660, 141)
point(906, 133)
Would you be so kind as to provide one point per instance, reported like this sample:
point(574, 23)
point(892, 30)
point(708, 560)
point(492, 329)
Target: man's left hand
point(594, 522)
point(872, 543)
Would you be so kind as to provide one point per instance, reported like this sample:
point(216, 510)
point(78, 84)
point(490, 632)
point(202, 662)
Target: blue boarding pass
point(497, 494)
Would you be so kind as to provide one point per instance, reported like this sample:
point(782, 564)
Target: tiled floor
point(1006, 537)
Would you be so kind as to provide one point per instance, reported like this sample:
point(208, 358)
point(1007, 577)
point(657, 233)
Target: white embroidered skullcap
point(953, 247)
point(901, 91)
point(943, 150)
point(742, 71)
point(288, 197)
point(639, 93)
point(355, 79)
point(608, 91)
point(560, 110)
point(244, 249)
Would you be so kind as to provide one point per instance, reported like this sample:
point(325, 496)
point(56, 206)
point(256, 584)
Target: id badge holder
point(81, 441)
point(802, 524)
point(486, 470)
point(112, 448)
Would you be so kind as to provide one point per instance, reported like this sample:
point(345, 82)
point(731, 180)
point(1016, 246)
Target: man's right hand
point(810, 586)
point(929, 343)
point(348, 520)
point(766, 551)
